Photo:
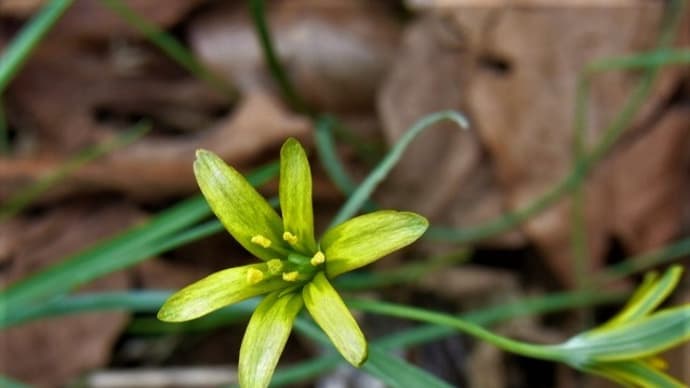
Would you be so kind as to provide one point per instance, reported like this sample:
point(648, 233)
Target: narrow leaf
point(295, 195)
point(215, 291)
point(397, 373)
point(241, 209)
point(364, 239)
point(329, 311)
point(639, 339)
point(649, 296)
point(265, 338)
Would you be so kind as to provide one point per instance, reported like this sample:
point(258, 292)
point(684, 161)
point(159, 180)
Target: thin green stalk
point(653, 61)
point(582, 167)
point(325, 148)
point(405, 273)
point(577, 212)
point(17, 202)
point(258, 12)
point(367, 187)
point(172, 47)
point(21, 47)
point(644, 261)
point(401, 311)
point(656, 58)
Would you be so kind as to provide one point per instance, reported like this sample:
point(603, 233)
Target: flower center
point(295, 268)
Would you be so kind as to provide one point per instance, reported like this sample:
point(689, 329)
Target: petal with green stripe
point(366, 238)
point(241, 209)
point(295, 196)
point(217, 290)
point(265, 338)
point(330, 313)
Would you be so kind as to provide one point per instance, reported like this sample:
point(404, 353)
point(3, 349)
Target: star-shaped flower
point(295, 270)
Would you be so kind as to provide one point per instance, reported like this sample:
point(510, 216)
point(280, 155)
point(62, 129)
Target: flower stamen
point(290, 238)
point(318, 259)
point(254, 276)
point(274, 266)
point(261, 240)
point(290, 276)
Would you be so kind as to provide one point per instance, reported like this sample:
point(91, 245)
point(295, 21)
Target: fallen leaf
point(335, 54)
point(54, 351)
point(445, 173)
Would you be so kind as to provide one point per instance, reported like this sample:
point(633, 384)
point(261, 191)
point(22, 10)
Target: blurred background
point(101, 121)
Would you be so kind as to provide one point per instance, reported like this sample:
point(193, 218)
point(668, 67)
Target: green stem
point(544, 352)
point(172, 47)
point(18, 51)
point(258, 12)
point(367, 187)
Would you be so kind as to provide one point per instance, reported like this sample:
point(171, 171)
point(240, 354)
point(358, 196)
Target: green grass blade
point(25, 197)
point(150, 301)
point(172, 47)
point(21, 47)
point(377, 361)
point(7, 382)
point(395, 372)
point(258, 13)
point(126, 249)
point(367, 187)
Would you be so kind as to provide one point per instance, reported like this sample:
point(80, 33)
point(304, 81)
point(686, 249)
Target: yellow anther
point(254, 276)
point(290, 276)
point(261, 240)
point(290, 238)
point(274, 266)
point(318, 258)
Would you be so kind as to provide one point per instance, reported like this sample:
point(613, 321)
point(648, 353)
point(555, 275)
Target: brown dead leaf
point(90, 19)
point(445, 174)
point(648, 183)
point(19, 8)
point(52, 352)
point(522, 98)
point(335, 53)
point(156, 167)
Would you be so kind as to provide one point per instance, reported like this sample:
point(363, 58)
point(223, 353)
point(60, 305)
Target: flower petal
point(364, 239)
point(653, 291)
point(295, 196)
point(265, 338)
point(329, 311)
point(635, 373)
point(217, 290)
point(241, 209)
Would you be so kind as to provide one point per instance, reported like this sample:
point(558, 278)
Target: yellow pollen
point(274, 266)
point(261, 240)
point(290, 238)
point(318, 258)
point(254, 276)
point(290, 276)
